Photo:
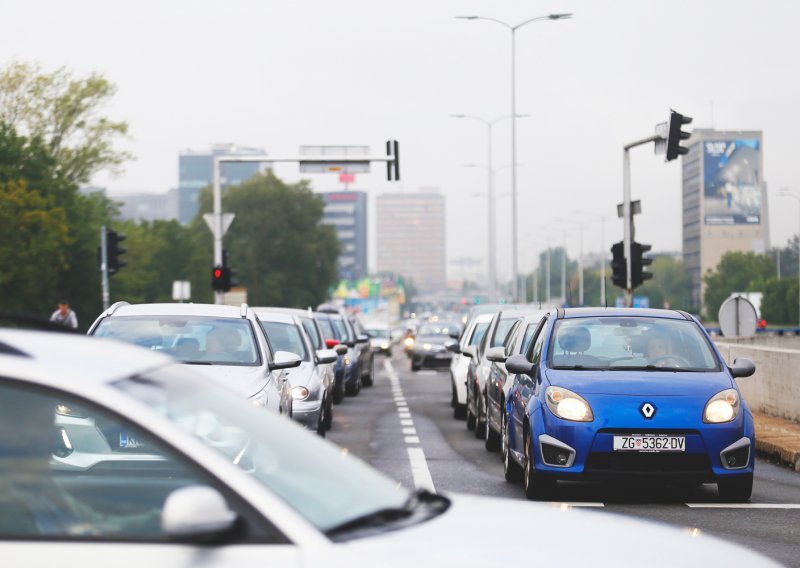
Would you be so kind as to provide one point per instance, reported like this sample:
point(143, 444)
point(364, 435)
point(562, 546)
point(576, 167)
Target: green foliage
point(670, 286)
point(284, 256)
point(780, 301)
point(736, 272)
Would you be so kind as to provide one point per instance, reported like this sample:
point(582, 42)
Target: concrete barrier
point(774, 389)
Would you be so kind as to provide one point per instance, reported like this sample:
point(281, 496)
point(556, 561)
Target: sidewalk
point(779, 438)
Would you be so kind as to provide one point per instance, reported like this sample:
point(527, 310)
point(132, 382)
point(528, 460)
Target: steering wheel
point(664, 358)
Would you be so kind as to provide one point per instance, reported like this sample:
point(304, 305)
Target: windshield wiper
point(195, 362)
point(647, 368)
point(420, 506)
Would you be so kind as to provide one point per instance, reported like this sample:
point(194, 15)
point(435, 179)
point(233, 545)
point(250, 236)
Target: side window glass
point(536, 353)
point(311, 330)
point(526, 341)
point(511, 340)
point(71, 471)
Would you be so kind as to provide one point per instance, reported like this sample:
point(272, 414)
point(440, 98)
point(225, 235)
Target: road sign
point(636, 208)
point(181, 290)
point(737, 317)
point(227, 219)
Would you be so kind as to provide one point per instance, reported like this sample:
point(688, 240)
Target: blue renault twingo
point(627, 394)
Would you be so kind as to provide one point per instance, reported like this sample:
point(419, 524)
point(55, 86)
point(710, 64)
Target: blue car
point(626, 395)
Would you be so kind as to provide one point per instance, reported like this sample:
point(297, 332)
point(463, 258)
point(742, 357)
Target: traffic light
point(619, 270)
point(638, 263)
point(218, 279)
point(393, 164)
point(675, 135)
point(223, 277)
point(114, 251)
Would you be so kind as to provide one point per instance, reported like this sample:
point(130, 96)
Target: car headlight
point(346, 360)
point(427, 347)
point(300, 393)
point(408, 342)
point(259, 400)
point(385, 345)
point(722, 407)
point(568, 405)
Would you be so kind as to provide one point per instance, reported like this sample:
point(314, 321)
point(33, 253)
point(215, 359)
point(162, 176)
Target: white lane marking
point(406, 422)
point(567, 505)
point(419, 470)
point(402, 414)
point(743, 505)
point(412, 439)
point(426, 373)
point(410, 431)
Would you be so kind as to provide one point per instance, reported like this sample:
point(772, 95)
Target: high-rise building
point(724, 201)
point(145, 206)
point(196, 171)
point(410, 237)
point(347, 212)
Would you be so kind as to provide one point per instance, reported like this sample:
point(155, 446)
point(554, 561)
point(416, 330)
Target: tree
point(283, 253)
point(736, 272)
point(670, 286)
point(779, 304)
point(64, 112)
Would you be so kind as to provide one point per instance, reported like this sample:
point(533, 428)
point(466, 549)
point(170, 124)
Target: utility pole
point(104, 266)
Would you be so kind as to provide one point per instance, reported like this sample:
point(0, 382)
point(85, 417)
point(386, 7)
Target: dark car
point(430, 348)
point(353, 361)
point(366, 355)
point(334, 340)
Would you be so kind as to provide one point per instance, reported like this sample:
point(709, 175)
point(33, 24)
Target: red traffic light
point(217, 273)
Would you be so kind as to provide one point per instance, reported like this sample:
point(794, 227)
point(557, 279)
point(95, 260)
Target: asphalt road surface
point(404, 427)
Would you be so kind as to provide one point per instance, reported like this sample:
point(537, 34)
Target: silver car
point(224, 343)
point(235, 486)
point(311, 382)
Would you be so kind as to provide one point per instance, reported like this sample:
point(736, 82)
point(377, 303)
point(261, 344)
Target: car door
point(279, 392)
point(55, 509)
point(525, 387)
point(497, 378)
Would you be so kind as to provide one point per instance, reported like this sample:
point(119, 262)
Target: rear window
point(192, 339)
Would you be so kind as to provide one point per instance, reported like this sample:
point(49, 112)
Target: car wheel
point(369, 379)
point(511, 470)
point(415, 366)
point(470, 419)
point(480, 424)
point(736, 490)
point(321, 421)
point(491, 439)
point(459, 410)
point(328, 414)
point(536, 487)
point(338, 393)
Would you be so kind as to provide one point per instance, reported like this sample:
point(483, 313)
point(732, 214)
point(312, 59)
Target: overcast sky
point(278, 74)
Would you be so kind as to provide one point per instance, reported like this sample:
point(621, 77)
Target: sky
point(277, 75)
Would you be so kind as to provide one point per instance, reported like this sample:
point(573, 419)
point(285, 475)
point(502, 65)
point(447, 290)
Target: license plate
point(649, 443)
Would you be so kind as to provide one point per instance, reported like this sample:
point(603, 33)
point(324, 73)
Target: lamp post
point(513, 29)
point(603, 253)
point(794, 195)
point(492, 256)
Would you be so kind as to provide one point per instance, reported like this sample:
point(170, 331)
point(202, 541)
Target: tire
point(537, 488)
point(415, 366)
point(511, 470)
point(459, 410)
point(480, 425)
point(354, 386)
point(328, 423)
point(735, 490)
point(338, 393)
point(369, 379)
point(470, 419)
point(491, 439)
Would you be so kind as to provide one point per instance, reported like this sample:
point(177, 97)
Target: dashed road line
point(743, 505)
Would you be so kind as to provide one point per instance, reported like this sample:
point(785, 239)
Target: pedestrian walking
point(64, 315)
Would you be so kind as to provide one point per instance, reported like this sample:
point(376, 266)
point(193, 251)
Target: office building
point(724, 201)
point(145, 206)
point(410, 237)
point(347, 212)
point(196, 171)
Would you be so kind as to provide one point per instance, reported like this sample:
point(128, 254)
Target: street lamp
point(492, 257)
point(795, 195)
point(513, 29)
point(603, 253)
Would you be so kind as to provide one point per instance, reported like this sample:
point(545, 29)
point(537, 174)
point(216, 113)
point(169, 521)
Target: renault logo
point(648, 410)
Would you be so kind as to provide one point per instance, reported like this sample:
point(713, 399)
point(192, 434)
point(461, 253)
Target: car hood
point(434, 339)
point(640, 383)
point(244, 380)
point(440, 541)
point(302, 375)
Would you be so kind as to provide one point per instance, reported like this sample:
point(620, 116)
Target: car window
point(341, 329)
point(378, 333)
point(191, 339)
point(313, 333)
point(511, 339)
point(285, 337)
point(71, 470)
point(526, 341)
point(327, 328)
point(632, 343)
point(478, 333)
point(535, 355)
point(319, 480)
point(501, 331)
point(430, 329)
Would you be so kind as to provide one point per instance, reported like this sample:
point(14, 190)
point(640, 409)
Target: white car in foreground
point(221, 483)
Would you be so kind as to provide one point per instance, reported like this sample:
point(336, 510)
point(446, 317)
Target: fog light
point(561, 459)
point(731, 461)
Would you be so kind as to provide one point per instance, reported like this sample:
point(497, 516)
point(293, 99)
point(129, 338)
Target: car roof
point(213, 310)
point(267, 314)
point(299, 312)
point(485, 317)
point(621, 312)
point(67, 360)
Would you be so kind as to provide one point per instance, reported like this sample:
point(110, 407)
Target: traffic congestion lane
point(458, 462)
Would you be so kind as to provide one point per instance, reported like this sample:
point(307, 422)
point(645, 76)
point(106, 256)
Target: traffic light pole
point(104, 265)
point(627, 213)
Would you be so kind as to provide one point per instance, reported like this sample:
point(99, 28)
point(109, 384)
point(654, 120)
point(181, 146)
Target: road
point(404, 427)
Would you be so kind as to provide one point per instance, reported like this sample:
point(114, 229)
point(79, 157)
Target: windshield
point(285, 337)
point(192, 339)
point(438, 329)
point(630, 343)
point(341, 329)
point(377, 333)
point(320, 481)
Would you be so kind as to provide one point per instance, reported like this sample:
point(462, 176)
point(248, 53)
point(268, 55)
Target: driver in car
point(659, 350)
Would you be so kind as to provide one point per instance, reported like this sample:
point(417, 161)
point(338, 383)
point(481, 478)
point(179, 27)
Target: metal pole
point(104, 265)
point(514, 267)
point(626, 215)
point(798, 262)
point(564, 267)
point(580, 265)
point(547, 276)
point(603, 261)
point(492, 257)
point(536, 285)
point(217, 223)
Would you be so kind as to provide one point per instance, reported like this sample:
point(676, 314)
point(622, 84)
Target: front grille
point(648, 463)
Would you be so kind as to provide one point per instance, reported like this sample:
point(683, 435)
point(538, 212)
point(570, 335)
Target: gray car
point(312, 381)
point(225, 343)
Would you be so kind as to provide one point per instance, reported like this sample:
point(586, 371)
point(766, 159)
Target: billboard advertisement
point(732, 181)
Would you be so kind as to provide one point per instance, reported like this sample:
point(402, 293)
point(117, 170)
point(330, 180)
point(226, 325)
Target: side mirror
point(742, 367)
point(452, 347)
point(196, 512)
point(363, 338)
point(285, 360)
point(326, 356)
point(496, 355)
point(519, 365)
point(340, 348)
point(469, 351)
point(331, 343)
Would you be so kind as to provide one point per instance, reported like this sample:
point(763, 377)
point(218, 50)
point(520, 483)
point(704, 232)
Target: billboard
point(732, 181)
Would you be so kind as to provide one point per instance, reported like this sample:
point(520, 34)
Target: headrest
point(575, 340)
